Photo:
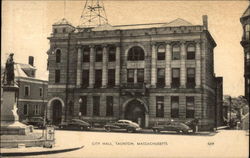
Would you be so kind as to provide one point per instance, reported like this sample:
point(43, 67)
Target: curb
point(20, 153)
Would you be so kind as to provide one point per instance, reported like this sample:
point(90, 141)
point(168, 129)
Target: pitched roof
point(63, 21)
point(247, 12)
point(178, 22)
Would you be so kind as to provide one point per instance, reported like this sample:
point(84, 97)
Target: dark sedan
point(75, 124)
point(34, 121)
point(125, 125)
point(173, 126)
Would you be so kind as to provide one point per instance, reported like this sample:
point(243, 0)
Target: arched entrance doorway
point(56, 112)
point(135, 111)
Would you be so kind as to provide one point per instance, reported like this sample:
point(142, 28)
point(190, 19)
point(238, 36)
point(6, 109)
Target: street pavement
point(224, 143)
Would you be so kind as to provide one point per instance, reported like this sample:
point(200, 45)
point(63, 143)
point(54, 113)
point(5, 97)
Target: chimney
point(205, 24)
point(31, 60)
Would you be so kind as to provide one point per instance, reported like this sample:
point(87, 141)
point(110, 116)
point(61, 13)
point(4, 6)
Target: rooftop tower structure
point(93, 14)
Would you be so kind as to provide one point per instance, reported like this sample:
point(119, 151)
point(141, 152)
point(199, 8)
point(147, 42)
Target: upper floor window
point(85, 56)
point(160, 106)
point(26, 90)
point(85, 78)
point(111, 52)
point(98, 57)
point(175, 78)
point(63, 30)
point(111, 77)
point(57, 76)
point(140, 75)
point(161, 52)
point(25, 109)
point(190, 52)
point(247, 32)
point(98, 78)
point(190, 107)
point(160, 77)
point(40, 91)
point(55, 30)
point(130, 76)
point(135, 53)
point(190, 77)
point(58, 55)
point(176, 52)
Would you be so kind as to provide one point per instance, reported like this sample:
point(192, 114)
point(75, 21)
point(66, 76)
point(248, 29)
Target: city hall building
point(147, 73)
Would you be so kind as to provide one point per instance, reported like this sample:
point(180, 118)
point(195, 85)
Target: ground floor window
point(37, 109)
point(83, 105)
point(25, 109)
point(109, 106)
point(96, 105)
point(174, 107)
point(160, 106)
point(190, 107)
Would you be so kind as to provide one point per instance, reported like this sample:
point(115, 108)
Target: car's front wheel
point(156, 130)
point(130, 130)
point(82, 128)
point(107, 129)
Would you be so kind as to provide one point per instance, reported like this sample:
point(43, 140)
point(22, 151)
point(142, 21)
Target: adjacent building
point(32, 96)
point(147, 73)
point(245, 42)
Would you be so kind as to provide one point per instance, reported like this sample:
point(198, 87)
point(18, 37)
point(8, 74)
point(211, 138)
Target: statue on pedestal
point(9, 75)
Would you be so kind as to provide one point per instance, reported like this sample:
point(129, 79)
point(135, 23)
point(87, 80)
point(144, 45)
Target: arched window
point(161, 52)
point(135, 53)
point(85, 56)
point(191, 52)
point(176, 52)
point(58, 55)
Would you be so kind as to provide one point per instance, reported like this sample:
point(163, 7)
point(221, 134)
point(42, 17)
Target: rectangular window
point(176, 53)
point(140, 75)
point(85, 78)
point(175, 78)
point(160, 77)
point(25, 109)
point(85, 56)
point(26, 90)
point(160, 106)
point(40, 91)
point(98, 78)
point(191, 78)
point(96, 105)
point(109, 106)
point(111, 77)
point(98, 57)
point(37, 110)
point(83, 105)
point(112, 53)
point(130, 76)
point(190, 107)
point(191, 52)
point(174, 107)
point(57, 76)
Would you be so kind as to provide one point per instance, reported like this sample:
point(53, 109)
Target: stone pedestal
point(10, 124)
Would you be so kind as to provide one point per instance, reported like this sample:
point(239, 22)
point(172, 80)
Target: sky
point(27, 24)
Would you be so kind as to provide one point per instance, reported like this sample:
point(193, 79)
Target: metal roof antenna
point(93, 14)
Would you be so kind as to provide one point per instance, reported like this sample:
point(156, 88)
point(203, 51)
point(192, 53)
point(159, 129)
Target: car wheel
point(130, 130)
point(61, 127)
point(107, 129)
point(156, 131)
point(180, 132)
point(82, 128)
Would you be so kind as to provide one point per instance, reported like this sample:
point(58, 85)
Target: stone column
point(168, 65)
point(92, 67)
point(153, 66)
point(135, 76)
point(183, 65)
point(79, 68)
point(117, 66)
point(198, 64)
point(104, 66)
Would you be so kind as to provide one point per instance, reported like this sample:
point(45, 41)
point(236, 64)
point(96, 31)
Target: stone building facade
point(245, 42)
point(147, 73)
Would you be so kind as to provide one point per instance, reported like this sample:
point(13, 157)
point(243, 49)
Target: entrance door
point(57, 112)
point(135, 112)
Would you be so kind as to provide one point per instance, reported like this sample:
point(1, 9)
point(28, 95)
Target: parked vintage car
point(75, 124)
point(172, 126)
point(126, 125)
point(37, 122)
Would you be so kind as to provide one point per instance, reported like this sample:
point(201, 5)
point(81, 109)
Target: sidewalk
point(36, 150)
